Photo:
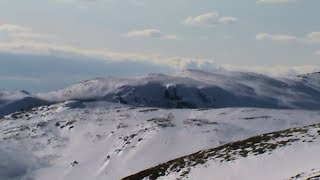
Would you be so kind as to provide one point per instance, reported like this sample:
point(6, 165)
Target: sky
point(48, 44)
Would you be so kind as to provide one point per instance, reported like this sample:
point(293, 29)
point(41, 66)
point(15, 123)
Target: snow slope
point(313, 79)
point(101, 140)
point(287, 154)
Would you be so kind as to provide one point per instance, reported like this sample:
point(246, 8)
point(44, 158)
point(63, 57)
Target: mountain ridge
point(190, 89)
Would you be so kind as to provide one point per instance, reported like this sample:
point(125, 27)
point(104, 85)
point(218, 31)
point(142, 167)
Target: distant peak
point(196, 71)
point(308, 74)
point(24, 92)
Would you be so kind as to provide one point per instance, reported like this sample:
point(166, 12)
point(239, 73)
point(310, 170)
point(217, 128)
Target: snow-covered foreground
point(276, 155)
point(101, 140)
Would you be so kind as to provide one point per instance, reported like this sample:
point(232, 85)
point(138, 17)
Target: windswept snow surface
point(101, 140)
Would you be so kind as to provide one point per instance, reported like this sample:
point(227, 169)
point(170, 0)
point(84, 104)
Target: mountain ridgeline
point(188, 89)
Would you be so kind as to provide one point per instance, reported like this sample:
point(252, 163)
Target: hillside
point(276, 155)
point(101, 140)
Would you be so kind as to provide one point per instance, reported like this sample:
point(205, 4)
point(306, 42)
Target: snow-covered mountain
point(237, 126)
point(99, 140)
point(188, 89)
point(12, 101)
point(7, 96)
point(195, 89)
point(313, 79)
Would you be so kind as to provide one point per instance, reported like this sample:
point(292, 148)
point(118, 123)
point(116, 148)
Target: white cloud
point(209, 19)
point(198, 64)
point(317, 53)
point(93, 2)
point(49, 48)
point(310, 38)
point(204, 38)
point(150, 33)
point(18, 162)
point(14, 28)
point(314, 37)
point(30, 46)
point(211, 66)
point(279, 70)
point(227, 37)
point(172, 37)
point(20, 78)
point(178, 63)
point(275, 37)
point(274, 1)
point(26, 40)
point(228, 20)
point(21, 32)
point(30, 35)
point(145, 33)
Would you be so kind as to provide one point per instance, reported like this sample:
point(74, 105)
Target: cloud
point(20, 78)
point(227, 37)
point(209, 19)
point(30, 46)
point(279, 70)
point(198, 64)
point(310, 38)
point(211, 66)
point(274, 1)
point(275, 37)
point(317, 53)
point(23, 39)
point(177, 63)
point(145, 33)
point(172, 37)
point(138, 2)
point(14, 28)
point(17, 162)
point(150, 33)
point(43, 48)
point(21, 32)
point(314, 37)
point(52, 48)
point(228, 20)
